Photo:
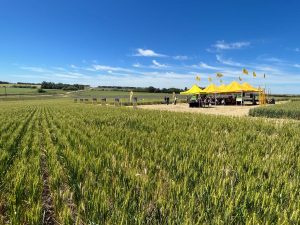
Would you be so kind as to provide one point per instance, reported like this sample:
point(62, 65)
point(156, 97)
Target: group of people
point(167, 100)
point(205, 101)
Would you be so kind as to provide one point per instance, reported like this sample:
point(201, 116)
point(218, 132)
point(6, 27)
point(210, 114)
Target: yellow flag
point(245, 71)
point(254, 74)
point(198, 78)
point(240, 79)
point(219, 75)
point(209, 79)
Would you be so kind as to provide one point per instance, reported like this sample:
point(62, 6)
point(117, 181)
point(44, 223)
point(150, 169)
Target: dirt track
point(216, 110)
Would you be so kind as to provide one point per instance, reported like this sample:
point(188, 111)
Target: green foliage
point(287, 110)
point(40, 90)
point(51, 85)
point(112, 165)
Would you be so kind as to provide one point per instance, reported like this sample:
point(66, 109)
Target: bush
point(40, 90)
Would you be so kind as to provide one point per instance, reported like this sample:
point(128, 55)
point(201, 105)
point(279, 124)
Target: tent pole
point(242, 103)
point(215, 100)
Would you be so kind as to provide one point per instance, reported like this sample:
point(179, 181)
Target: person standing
point(175, 100)
point(130, 96)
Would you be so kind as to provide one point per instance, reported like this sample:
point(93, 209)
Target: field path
point(47, 201)
point(215, 110)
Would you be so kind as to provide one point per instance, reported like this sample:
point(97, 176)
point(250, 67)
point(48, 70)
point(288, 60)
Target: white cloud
point(205, 66)
point(158, 65)
point(181, 57)
point(59, 68)
point(148, 53)
point(137, 65)
point(228, 62)
point(266, 68)
point(157, 75)
point(35, 69)
point(107, 68)
point(297, 49)
point(273, 59)
point(73, 66)
point(222, 45)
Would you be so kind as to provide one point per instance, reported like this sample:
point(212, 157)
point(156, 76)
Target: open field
point(289, 110)
point(143, 97)
point(27, 91)
point(67, 162)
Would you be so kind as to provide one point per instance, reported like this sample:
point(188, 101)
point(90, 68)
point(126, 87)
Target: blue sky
point(158, 43)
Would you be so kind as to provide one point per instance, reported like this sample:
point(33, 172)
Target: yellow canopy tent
point(233, 87)
point(211, 89)
point(221, 88)
point(248, 88)
point(192, 91)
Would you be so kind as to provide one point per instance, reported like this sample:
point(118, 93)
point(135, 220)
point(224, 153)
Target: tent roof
point(221, 88)
point(233, 87)
point(211, 89)
point(249, 88)
point(192, 91)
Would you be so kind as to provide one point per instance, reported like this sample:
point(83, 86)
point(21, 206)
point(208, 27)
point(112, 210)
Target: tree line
point(68, 87)
point(149, 89)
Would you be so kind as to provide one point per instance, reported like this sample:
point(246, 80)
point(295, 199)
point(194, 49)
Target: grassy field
point(28, 91)
point(290, 110)
point(88, 164)
point(143, 97)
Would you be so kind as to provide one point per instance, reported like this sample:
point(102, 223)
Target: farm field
point(70, 163)
point(143, 97)
point(290, 110)
point(28, 91)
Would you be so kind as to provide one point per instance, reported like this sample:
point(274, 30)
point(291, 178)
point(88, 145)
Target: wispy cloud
point(35, 69)
point(228, 61)
point(297, 49)
point(206, 66)
point(181, 57)
point(273, 59)
point(107, 68)
point(161, 74)
point(223, 46)
point(158, 65)
point(58, 72)
point(268, 58)
point(137, 65)
point(73, 66)
point(148, 53)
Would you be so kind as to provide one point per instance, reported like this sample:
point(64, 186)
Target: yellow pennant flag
point(245, 71)
point(219, 75)
point(198, 78)
point(240, 79)
point(254, 74)
point(209, 79)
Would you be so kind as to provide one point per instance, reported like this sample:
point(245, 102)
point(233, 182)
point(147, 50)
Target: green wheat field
point(92, 164)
